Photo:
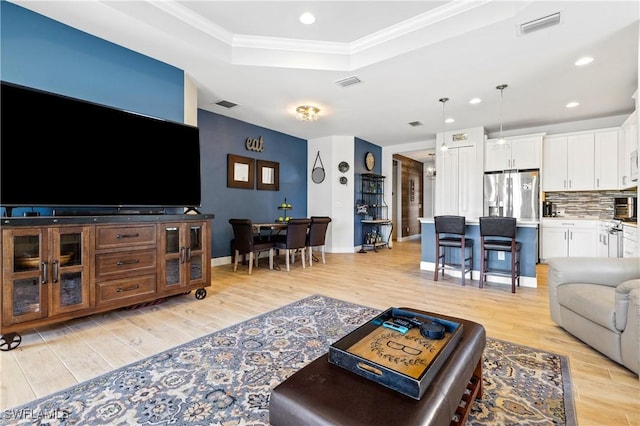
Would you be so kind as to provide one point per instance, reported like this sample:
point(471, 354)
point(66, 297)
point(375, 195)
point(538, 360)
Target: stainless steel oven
point(614, 229)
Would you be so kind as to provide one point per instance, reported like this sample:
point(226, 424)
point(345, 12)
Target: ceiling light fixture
point(307, 112)
point(573, 104)
point(584, 61)
point(475, 101)
point(307, 18)
point(501, 89)
point(444, 146)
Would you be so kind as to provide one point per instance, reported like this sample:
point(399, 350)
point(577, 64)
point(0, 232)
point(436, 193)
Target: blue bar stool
point(450, 233)
point(499, 234)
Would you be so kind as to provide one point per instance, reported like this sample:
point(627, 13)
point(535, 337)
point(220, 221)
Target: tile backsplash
point(587, 203)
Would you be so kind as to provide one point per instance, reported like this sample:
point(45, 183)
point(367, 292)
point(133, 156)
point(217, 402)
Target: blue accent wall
point(220, 136)
point(39, 52)
point(361, 148)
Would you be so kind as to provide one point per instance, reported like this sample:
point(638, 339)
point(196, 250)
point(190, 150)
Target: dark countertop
point(84, 220)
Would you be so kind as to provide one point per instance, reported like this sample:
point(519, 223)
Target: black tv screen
point(60, 151)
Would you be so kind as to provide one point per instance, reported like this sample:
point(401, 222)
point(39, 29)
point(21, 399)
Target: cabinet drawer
point(125, 236)
point(109, 291)
point(125, 262)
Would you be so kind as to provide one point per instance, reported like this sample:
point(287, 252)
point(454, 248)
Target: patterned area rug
point(226, 378)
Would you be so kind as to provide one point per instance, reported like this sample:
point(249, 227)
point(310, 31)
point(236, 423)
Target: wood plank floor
point(56, 357)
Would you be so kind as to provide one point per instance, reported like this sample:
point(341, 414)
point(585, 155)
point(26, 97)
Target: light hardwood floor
point(56, 357)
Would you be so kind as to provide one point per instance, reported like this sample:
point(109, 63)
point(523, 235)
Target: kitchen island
point(526, 234)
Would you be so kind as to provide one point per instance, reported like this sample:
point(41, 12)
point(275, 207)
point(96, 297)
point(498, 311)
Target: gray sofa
point(598, 301)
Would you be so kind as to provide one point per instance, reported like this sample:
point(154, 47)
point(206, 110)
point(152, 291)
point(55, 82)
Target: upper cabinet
point(628, 154)
point(568, 162)
point(606, 159)
point(521, 152)
point(584, 161)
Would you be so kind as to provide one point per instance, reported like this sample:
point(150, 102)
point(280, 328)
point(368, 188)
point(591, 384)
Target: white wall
point(331, 198)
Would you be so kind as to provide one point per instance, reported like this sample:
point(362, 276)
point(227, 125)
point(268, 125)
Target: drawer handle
point(132, 287)
point(128, 235)
point(127, 262)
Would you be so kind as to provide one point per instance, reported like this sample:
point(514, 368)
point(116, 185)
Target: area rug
point(226, 377)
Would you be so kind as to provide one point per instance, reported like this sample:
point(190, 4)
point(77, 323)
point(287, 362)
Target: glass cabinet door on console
point(184, 247)
point(45, 272)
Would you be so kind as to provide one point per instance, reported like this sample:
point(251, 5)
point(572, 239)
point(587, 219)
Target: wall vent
point(415, 124)
point(349, 81)
point(226, 104)
point(540, 23)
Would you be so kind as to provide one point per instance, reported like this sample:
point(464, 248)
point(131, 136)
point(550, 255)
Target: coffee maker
point(547, 209)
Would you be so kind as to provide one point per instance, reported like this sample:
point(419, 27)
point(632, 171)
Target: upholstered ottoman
point(325, 394)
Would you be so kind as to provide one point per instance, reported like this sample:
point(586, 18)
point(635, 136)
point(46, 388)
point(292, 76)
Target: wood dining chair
point(498, 234)
point(450, 233)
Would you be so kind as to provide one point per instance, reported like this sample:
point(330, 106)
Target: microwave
point(625, 208)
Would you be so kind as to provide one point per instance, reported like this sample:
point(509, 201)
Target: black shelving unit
point(374, 211)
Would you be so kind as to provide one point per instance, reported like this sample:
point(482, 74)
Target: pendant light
point(444, 146)
point(501, 88)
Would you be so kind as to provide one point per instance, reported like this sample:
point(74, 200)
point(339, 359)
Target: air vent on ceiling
point(349, 81)
point(415, 124)
point(226, 104)
point(540, 23)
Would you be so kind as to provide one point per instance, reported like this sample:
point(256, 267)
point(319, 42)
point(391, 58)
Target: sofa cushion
point(623, 292)
point(592, 301)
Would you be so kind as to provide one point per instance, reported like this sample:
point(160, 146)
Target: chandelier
point(307, 112)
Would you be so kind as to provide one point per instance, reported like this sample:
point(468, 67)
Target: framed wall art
point(240, 172)
point(268, 173)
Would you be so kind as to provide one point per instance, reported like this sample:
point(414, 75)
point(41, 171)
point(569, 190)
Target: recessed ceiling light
point(573, 104)
point(307, 18)
point(475, 101)
point(449, 120)
point(584, 61)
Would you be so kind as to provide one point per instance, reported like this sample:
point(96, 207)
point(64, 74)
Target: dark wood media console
point(63, 267)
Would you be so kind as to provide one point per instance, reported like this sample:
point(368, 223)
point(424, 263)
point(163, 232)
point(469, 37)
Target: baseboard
point(531, 282)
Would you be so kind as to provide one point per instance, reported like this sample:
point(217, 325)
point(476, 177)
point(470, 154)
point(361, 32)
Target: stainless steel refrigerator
point(512, 194)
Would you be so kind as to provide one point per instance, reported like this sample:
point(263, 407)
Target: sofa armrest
point(623, 297)
point(591, 270)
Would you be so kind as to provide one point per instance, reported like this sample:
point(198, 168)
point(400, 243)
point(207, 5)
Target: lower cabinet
point(573, 238)
point(56, 269)
point(630, 247)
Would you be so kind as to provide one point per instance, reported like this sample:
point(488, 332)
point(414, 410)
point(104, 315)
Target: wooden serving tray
point(405, 362)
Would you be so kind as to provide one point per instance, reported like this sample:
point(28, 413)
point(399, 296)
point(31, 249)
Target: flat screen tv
point(59, 151)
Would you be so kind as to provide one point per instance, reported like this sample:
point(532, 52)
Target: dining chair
point(499, 234)
point(296, 239)
point(317, 236)
point(450, 233)
point(245, 242)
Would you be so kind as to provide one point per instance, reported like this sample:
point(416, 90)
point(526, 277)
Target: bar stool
point(499, 234)
point(452, 229)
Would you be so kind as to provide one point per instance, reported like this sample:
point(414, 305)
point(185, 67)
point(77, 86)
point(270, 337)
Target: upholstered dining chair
point(450, 233)
point(499, 234)
point(296, 240)
point(317, 236)
point(244, 242)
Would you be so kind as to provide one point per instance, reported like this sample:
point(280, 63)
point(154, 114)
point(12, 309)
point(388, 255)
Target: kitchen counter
point(476, 221)
point(526, 234)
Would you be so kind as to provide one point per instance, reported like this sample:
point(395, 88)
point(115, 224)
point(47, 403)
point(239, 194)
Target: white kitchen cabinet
point(628, 143)
point(572, 238)
point(568, 162)
point(602, 249)
point(630, 246)
point(457, 173)
point(523, 152)
point(606, 160)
